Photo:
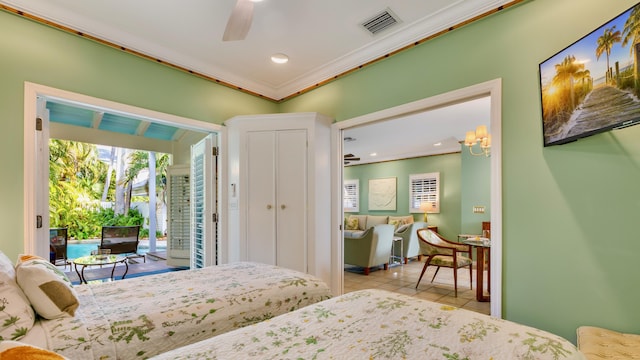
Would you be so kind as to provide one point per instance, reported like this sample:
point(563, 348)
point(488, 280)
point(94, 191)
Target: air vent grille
point(380, 22)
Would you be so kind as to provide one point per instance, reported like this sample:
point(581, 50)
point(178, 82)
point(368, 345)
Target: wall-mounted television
point(593, 85)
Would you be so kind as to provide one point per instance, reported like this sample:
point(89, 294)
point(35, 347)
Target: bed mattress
point(376, 324)
point(145, 316)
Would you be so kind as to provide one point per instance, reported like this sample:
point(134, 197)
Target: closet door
point(291, 194)
point(261, 199)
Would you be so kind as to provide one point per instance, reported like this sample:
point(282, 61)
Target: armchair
point(444, 253)
point(410, 246)
point(373, 248)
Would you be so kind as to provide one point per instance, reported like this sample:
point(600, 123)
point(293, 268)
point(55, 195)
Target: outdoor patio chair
point(58, 246)
point(121, 240)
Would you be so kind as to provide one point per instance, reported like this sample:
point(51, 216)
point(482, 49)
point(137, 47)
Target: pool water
point(84, 249)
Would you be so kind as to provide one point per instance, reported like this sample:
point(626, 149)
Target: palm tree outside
point(79, 178)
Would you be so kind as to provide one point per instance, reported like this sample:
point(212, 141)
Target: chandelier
point(481, 137)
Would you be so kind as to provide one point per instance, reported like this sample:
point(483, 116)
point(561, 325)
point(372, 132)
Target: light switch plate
point(478, 209)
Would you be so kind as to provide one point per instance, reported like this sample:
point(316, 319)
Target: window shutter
point(424, 188)
point(351, 196)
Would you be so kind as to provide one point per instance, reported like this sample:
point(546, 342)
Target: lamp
point(479, 136)
point(426, 206)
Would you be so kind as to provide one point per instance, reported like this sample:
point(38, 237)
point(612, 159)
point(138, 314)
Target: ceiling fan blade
point(348, 155)
point(239, 22)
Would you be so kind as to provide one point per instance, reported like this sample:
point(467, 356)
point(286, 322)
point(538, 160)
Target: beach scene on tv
point(593, 84)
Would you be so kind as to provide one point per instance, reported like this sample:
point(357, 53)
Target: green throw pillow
point(352, 223)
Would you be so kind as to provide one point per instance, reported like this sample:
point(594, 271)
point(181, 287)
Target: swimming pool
point(84, 249)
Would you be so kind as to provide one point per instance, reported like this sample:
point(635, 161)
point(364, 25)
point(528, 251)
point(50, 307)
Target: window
point(351, 197)
point(424, 188)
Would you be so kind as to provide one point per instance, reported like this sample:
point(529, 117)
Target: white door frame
point(492, 88)
point(37, 242)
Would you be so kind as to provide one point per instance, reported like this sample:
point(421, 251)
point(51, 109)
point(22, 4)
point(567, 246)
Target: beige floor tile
point(403, 278)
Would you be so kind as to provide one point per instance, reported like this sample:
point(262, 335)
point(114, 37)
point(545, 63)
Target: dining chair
point(441, 252)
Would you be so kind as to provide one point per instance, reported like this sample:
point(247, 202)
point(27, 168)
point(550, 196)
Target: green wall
point(570, 234)
point(476, 191)
point(448, 220)
point(39, 54)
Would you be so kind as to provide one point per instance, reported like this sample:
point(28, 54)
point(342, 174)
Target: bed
point(145, 316)
point(376, 324)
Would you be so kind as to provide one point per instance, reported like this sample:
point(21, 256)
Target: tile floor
point(402, 279)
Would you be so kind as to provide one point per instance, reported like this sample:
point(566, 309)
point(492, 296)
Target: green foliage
point(108, 218)
point(144, 233)
point(88, 224)
point(76, 181)
point(75, 175)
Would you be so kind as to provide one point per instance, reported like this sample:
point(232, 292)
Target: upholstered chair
point(372, 249)
point(410, 243)
point(444, 253)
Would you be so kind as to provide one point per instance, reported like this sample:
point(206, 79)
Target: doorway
point(35, 223)
point(491, 89)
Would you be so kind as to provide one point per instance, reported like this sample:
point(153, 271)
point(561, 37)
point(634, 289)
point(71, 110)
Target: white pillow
point(16, 314)
point(6, 266)
point(47, 288)
point(401, 228)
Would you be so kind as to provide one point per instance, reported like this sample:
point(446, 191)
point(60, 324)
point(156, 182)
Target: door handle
point(269, 206)
point(282, 206)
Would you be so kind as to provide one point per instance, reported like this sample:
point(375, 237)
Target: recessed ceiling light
point(373, 154)
point(279, 58)
point(256, 0)
point(437, 144)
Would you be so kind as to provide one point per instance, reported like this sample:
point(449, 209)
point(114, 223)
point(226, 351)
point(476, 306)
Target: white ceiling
point(437, 131)
point(323, 38)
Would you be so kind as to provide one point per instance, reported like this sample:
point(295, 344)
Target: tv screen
point(592, 85)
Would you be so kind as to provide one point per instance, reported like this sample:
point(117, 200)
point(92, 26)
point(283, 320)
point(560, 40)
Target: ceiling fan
point(240, 20)
point(348, 158)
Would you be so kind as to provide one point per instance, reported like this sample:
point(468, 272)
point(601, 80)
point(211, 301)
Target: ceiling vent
point(380, 22)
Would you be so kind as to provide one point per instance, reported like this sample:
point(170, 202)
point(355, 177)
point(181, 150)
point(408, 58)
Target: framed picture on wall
point(382, 194)
point(592, 86)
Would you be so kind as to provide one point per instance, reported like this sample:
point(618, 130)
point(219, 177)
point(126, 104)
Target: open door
point(204, 216)
point(178, 216)
point(40, 246)
point(36, 153)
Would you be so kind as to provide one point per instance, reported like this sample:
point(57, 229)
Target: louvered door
point(203, 200)
point(178, 216)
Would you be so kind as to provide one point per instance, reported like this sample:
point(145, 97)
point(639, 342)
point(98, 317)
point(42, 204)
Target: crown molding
point(458, 14)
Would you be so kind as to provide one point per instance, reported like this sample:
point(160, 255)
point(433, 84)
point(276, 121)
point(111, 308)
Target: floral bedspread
point(376, 324)
point(141, 317)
